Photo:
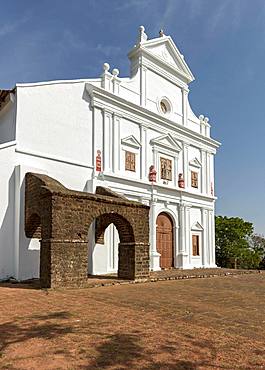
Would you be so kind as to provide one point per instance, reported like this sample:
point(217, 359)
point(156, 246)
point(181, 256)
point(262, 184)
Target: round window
point(164, 106)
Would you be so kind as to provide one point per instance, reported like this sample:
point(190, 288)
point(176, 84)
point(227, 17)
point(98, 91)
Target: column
point(186, 164)
point(208, 173)
point(143, 74)
point(183, 256)
point(107, 140)
point(205, 243)
point(154, 255)
point(212, 238)
point(188, 235)
point(116, 147)
point(143, 152)
point(176, 242)
point(175, 173)
point(185, 92)
point(203, 171)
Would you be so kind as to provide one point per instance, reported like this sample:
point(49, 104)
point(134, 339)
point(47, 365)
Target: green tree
point(257, 245)
point(232, 234)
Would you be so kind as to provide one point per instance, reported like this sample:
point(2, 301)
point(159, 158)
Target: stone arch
point(122, 225)
point(66, 216)
point(33, 226)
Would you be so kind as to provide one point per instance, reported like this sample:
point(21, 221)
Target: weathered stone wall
point(65, 217)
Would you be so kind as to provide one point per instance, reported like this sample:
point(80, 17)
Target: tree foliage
point(236, 243)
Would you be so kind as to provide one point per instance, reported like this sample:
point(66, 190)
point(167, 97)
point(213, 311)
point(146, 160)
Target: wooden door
point(164, 240)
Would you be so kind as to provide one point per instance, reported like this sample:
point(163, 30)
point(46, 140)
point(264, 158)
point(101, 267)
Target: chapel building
point(137, 136)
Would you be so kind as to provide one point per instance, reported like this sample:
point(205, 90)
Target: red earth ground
point(213, 323)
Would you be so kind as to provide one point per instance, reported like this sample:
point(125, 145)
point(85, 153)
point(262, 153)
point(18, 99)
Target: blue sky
point(223, 42)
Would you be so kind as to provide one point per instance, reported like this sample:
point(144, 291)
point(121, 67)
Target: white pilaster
point(203, 171)
point(185, 92)
point(107, 140)
point(116, 149)
point(175, 173)
point(143, 152)
point(205, 239)
point(208, 173)
point(183, 255)
point(154, 255)
point(212, 238)
point(176, 245)
point(186, 164)
point(143, 78)
point(188, 248)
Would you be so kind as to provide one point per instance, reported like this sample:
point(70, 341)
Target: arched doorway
point(164, 240)
point(66, 216)
point(103, 250)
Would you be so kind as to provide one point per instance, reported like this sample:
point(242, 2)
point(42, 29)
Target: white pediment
point(131, 141)
point(195, 163)
point(166, 51)
point(167, 142)
point(197, 227)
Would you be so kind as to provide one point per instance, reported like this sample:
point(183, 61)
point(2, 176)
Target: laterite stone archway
point(61, 217)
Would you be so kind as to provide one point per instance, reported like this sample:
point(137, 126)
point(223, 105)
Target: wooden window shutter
point(165, 169)
point(194, 179)
point(195, 245)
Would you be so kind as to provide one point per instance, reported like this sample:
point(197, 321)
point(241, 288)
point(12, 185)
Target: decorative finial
point(106, 67)
point(206, 119)
point(201, 117)
point(161, 33)
point(142, 35)
point(115, 72)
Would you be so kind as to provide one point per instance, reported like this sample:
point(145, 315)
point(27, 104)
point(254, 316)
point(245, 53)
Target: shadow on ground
point(33, 327)
point(123, 351)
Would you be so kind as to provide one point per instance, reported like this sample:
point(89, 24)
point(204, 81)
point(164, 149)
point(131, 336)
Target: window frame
point(169, 172)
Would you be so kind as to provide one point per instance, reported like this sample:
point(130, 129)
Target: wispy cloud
point(138, 4)
point(169, 13)
point(227, 14)
point(8, 28)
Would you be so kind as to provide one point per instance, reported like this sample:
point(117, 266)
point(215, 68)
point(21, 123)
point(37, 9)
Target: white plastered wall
point(55, 119)
point(72, 176)
point(7, 192)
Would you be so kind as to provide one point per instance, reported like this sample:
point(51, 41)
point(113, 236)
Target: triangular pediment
point(197, 227)
point(131, 141)
point(166, 141)
point(195, 163)
point(165, 50)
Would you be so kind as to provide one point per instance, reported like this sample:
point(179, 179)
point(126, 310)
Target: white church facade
point(136, 136)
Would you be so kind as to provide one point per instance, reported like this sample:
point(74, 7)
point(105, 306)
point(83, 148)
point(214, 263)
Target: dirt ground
point(213, 323)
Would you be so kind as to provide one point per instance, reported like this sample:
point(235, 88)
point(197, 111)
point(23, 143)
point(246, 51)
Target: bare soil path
point(213, 323)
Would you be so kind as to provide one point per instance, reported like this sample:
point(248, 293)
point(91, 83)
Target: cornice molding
point(136, 113)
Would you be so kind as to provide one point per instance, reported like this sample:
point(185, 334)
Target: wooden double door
point(164, 240)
